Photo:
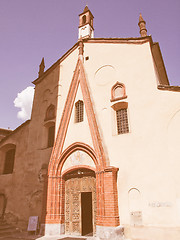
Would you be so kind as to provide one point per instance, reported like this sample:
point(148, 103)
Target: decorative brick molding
point(79, 77)
point(106, 191)
point(120, 105)
point(75, 147)
point(106, 177)
point(120, 95)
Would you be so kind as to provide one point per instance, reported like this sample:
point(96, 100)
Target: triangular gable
point(78, 131)
point(79, 77)
point(95, 134)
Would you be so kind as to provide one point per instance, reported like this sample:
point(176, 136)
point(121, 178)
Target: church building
point(100, 155)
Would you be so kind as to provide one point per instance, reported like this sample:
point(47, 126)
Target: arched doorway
point(104, 181)
point(80, 202)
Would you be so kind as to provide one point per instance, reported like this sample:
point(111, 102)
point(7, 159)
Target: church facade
point(100, 154)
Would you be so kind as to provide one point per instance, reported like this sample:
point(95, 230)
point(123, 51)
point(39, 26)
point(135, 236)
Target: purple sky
point(32, 29)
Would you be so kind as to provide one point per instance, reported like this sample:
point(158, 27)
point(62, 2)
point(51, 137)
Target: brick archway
point(107, 214)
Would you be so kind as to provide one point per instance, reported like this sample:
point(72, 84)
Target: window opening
point(50, 113)
point(122, 121)
point(84, 19)
point(51, 133)
point(9, 161)
point(79, 111)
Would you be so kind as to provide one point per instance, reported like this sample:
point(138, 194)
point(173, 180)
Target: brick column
point(62, 201)
point(54, 220)
point(107, 198)
point(111, 197)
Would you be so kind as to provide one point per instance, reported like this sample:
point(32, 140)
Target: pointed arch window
point(50, 113)
point(79, 111)
point(118, 92)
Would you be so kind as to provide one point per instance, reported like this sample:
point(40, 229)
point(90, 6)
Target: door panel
point(75, 188)
point(86, 213)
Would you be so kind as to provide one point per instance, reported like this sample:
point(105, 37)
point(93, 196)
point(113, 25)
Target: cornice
point(169, 88)
point(139, 40)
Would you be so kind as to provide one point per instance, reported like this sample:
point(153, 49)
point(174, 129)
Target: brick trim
point(116, 85)
point(72, 148)
point(106, 177)
point(76, 168)
point(95, 134)
point(119, 105)
point(79, 77)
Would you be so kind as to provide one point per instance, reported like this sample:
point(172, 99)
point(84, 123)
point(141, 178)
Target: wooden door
point(86, 213)
point(75, 188)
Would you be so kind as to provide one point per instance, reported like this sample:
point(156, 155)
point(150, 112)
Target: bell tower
point(86, 29)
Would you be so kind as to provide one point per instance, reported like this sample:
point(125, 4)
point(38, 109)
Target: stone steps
point(7, 230)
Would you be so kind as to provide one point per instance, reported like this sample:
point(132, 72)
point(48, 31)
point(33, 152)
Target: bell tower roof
point(86, 9)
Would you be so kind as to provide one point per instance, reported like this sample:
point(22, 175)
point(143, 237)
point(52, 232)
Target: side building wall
point(23, 188)
point(13, 187)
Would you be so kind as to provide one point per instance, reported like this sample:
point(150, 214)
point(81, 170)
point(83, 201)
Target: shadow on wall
point(3, 202)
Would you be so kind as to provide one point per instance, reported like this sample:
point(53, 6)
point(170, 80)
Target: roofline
point(6, 130)
point(120, 40)
point(169, 88)
point(39, 79)
point(15, 130)
point(137, 40)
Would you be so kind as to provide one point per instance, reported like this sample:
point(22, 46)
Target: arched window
point(118, 92)
point(50, 113)
point(84, 19)
point(79, 111)
point(51, 134)
point(9, 161)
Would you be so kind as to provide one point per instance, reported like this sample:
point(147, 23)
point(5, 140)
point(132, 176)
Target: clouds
point(24, 101)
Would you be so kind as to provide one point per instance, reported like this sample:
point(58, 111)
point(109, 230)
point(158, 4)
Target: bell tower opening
point(84, 19)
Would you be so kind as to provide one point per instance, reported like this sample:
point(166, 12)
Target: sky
point(32, 29)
